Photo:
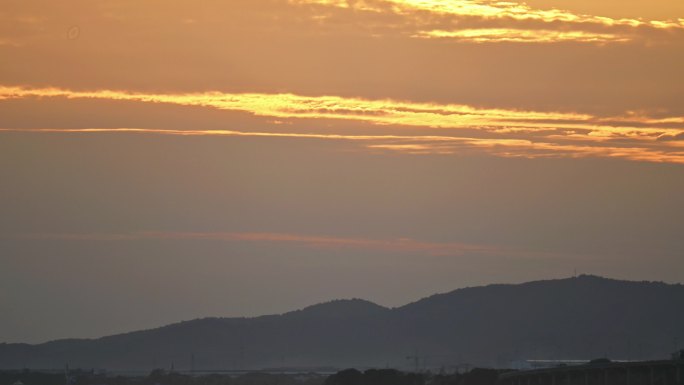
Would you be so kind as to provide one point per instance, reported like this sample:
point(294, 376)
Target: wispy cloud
point(494, 35)
point(508, 133)
point(520, 11)
point(434, 144)
point(463, 128)
point(486, 21)
point(393, 245)
point(380, 112)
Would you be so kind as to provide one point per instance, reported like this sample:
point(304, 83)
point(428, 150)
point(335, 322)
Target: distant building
point(545, 364)
point(602, 372)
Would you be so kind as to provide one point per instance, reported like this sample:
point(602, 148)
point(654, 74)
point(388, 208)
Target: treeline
point(476, 376)
point(157, 377)
point(28, 377)
point(344, 377)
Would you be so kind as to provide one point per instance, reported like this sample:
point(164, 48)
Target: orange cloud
point(494, 35)
point(463, 128)
point(519, 11)
point(552, 25)
point(669, 152)
point(380, 112)
point(513, 148)
point(394, 245)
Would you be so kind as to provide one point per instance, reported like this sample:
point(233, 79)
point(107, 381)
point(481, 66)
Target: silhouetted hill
point(341, 308)
point(582, 318)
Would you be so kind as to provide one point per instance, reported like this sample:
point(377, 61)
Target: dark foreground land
point(345, 377)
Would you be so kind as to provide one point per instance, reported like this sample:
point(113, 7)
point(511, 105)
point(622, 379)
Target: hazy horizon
point(331, 300)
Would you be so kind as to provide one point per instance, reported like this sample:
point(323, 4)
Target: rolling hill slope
point(583, 317)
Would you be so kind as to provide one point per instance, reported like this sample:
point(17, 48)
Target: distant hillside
point(583, 317)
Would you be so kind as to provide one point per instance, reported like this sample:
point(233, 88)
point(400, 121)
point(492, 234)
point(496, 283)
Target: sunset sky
point(168, 160)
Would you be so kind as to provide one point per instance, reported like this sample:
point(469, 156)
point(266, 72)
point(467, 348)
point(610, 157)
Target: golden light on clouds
point(506, 133)
point(427, 127)
point(575, 27)
point(494, 35)
point(379, 112)
point(330, 107)
point(665, 152)
point(521, 11)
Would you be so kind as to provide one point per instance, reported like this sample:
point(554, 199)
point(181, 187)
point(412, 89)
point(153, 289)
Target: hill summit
point(576, 318)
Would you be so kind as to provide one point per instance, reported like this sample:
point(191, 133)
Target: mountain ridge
point(579, 317)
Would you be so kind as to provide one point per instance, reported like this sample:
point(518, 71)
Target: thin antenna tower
point(416, 360)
